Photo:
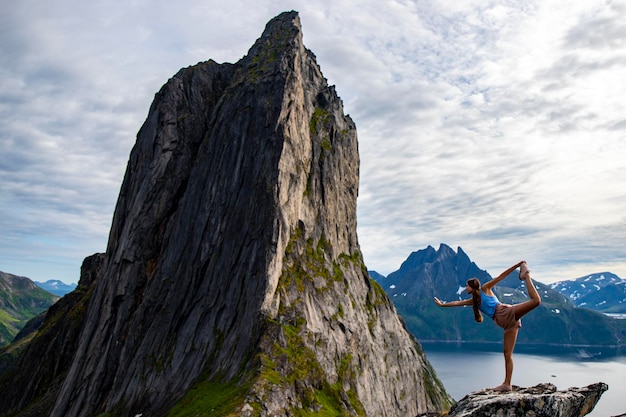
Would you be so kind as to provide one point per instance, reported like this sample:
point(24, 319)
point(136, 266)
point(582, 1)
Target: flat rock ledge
point(542, 400)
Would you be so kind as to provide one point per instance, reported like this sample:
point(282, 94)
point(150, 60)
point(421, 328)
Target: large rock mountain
point(443, 273)
point(233, 279)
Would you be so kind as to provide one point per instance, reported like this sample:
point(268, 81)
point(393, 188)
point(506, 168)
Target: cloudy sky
point(497, 126)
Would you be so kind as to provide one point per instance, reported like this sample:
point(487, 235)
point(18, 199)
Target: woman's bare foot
point(523, 271)
point(503, 388)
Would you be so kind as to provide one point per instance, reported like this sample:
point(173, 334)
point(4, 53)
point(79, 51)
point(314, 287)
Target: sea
point(467, 367)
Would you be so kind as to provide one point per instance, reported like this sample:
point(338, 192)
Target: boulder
point(542, 400)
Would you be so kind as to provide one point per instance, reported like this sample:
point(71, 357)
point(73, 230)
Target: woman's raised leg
point(523, 308)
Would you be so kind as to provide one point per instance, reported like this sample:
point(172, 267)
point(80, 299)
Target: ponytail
point(476, 298)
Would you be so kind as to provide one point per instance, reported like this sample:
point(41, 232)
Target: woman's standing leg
point(510, 338)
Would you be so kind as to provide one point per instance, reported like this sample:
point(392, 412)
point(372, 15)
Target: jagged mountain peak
point(233, 261)
point(439, 271)
point(283, 32)
point(432, 255)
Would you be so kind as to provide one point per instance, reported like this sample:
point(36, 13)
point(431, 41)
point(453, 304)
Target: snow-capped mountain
point(56, 287)
point(603, 291)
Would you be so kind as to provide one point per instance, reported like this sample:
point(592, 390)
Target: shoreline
point(564, 345)
point(579, 352)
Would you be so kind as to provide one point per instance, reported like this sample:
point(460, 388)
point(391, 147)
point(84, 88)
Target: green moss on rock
point(211, 398)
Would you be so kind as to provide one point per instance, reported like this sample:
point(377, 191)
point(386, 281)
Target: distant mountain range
point(56, 287)
point(604, 292)
point(20, 301)
point(443, 273)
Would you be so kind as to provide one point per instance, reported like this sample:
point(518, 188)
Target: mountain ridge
point(56, 287)
point(20, 300)
point(601, 291)
point(605, 291)
point(443, 273)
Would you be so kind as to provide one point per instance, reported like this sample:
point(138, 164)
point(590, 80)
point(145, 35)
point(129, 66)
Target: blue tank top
point(488, 304)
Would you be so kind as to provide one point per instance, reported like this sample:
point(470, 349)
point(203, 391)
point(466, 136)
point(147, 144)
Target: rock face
point(233, 279)
point(542, 400)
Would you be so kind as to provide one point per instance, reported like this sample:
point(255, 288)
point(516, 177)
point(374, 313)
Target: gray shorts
point(505, 317)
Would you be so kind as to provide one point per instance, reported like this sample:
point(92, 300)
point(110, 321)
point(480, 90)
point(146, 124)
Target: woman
point(504, 315)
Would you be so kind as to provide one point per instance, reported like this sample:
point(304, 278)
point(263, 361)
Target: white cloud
point(498, 126)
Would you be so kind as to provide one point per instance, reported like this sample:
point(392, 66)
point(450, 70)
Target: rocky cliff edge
point(542, 400)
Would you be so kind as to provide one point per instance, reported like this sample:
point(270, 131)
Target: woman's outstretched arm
point(458, 303)
point(489, 284)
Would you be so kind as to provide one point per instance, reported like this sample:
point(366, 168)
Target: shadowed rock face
point(542, 400)
point(233, 259)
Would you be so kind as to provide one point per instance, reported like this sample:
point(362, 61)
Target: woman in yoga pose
point(504, 315)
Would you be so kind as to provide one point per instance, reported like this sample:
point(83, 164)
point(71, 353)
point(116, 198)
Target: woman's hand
point(459, 303)
point(489, 284)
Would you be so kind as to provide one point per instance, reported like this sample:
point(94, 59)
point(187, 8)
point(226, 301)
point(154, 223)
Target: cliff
point(233, 279)
point(542, 400)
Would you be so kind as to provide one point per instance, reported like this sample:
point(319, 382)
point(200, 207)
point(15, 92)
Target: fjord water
point(464, 368)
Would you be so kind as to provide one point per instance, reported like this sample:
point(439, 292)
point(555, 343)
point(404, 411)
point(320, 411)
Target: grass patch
point(290, 364)
point(318, 120)
point(328, 402)
point(210, 398)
